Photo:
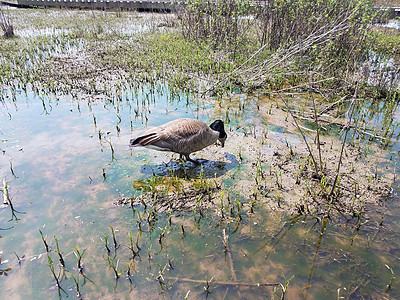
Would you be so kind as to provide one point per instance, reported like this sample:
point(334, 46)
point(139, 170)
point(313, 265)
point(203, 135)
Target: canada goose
point(183, 136)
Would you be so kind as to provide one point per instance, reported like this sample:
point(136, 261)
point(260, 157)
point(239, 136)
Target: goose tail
point(143, 141)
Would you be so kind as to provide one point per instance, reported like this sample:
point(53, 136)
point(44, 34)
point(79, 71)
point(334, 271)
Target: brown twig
point(339, 124)
point(228, 283)
point(230, 259)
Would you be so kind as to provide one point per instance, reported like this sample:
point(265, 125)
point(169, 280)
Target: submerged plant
point(8, 200)
point(44, 242)
point(57, 278)
point(105, 242)
point(61, 259)
point(389, 285)
point(76, 280)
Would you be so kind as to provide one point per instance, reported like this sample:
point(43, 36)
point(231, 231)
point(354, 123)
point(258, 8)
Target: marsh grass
point(217, 48)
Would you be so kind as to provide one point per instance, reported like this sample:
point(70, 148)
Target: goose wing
point(181, 136)
point(186, 136)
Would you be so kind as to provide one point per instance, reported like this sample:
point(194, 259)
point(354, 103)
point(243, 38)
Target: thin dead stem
point(347, 127)
point(6, 24)
point(303, 136)
point(317, 127)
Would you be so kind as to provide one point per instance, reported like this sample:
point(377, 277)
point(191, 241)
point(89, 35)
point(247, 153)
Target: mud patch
point(278, 171)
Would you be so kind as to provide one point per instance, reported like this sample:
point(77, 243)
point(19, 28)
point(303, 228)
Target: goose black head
point(218, 125)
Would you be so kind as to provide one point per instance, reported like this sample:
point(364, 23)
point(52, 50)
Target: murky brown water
point(65, 163)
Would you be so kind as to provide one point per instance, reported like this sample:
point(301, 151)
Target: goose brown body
point(183, 136)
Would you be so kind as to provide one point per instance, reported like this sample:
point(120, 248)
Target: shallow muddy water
point(395, 23)
point(66, 163)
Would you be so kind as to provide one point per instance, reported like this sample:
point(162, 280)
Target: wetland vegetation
point(301, 203)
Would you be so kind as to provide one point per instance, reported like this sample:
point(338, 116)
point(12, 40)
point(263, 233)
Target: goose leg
point(192, 160)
